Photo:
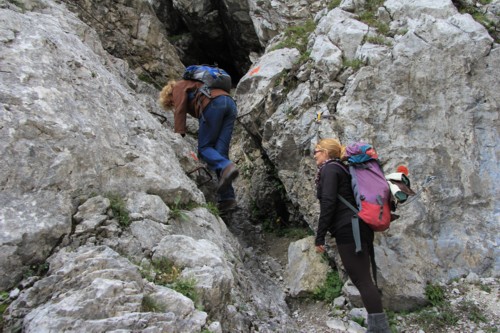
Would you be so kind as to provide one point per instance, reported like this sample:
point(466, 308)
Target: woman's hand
point(320, 248)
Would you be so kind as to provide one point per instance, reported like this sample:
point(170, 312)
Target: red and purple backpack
point(371, 190)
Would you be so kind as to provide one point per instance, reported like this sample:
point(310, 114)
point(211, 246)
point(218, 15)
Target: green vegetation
point(187, 287)
point(175, 38)
point(359, 320)
point(146, 77)
point(434, 294)
point(278, 228)
point(373, 5)
point(176, 210)
point(402, 31)
point(436, 319)
point(304, 57)
point(164, 273)
point(479, 15)
point(212, 208)
point(161, 271)
point(4, 303)
point(334, 4)
point(297, 36)
point(355, 64)
point(281, 78)
point(247, 169)
point(484, 288)
point(36, 270)
point(369, 16)
point(379, 40)
point(473, 311)
point(150, 305)
point(269, 226)
point(295, 232)
point(289, 113)
point(331, 289)
point(19, 4)
point(119, 209)
point(439, 316)
point(393, 321)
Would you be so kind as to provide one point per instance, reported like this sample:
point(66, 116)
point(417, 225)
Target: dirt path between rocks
point(312, 316)
point(309, 315)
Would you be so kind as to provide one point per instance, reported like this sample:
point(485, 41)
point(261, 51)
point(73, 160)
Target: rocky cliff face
point(425, 96)
point(424, 93)
point(97, 191)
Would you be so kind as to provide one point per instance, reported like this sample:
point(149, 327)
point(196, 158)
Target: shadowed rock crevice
point(211, 32)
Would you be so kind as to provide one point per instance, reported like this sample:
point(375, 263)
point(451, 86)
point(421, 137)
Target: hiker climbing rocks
point(335, 217)
point(216, 116)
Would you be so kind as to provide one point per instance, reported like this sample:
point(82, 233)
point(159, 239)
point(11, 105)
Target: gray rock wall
point(425, 97)
point(72, 127)
point(76, 123)
point(78, 128)
point(132, 32)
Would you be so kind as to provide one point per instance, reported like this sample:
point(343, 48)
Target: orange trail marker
point(255, 70)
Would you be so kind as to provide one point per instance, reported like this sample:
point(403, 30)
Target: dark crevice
point(214, 37)
point(276, 208)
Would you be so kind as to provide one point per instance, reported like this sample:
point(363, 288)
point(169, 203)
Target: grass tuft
point(434, 294)
point(119, 209)
point(355, 64)
point(331, 289)
point(297, 36)
point(150, 305)
point(176, 210)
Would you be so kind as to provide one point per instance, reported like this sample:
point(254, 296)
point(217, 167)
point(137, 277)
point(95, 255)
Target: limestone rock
point(93, 289)
point(425, 99)
point(306, 269)
point(58, 146)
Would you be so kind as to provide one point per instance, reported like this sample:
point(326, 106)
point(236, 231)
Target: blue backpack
point(212, 77)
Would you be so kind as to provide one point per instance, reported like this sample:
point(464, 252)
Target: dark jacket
point(333, 213)
point(195, 107)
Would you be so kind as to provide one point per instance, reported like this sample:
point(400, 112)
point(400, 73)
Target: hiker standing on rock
point(335, 217)
point(216, 116)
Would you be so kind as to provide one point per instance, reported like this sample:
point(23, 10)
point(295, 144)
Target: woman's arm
point(328, 198)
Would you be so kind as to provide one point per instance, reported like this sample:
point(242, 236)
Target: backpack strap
point(355, 219)
point(371, 251)
point(205, 90)
point(355, 223)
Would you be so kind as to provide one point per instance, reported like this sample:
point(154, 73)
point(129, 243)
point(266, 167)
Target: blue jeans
point(214, 135)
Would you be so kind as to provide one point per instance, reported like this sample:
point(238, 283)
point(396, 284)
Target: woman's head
point(328, 149)
point(166, 98)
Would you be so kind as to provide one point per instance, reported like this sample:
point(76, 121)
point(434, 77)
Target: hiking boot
point(227, 205)
point(377, 323)
point(227, 176)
